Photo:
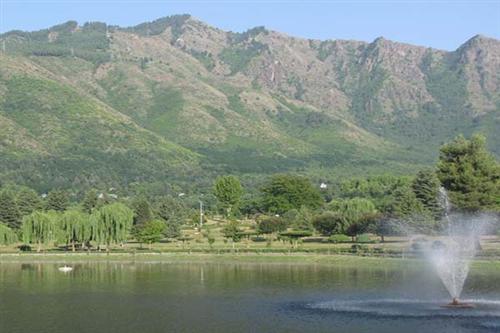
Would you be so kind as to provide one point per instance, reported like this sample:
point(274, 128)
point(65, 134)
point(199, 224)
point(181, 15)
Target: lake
point(220, 297)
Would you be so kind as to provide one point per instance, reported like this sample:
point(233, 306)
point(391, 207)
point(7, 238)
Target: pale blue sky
point(440, 24)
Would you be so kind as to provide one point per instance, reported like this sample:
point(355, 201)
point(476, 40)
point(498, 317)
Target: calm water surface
point(161, 297)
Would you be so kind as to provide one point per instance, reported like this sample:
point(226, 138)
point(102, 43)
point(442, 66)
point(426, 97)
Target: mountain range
point(176, 101)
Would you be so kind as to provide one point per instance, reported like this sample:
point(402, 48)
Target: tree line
point(292, 206)
point(286, 204)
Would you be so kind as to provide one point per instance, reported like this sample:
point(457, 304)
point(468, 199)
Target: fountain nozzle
point(456, 304)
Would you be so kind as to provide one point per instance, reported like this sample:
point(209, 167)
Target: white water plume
point(451, 255)
point(452, 260)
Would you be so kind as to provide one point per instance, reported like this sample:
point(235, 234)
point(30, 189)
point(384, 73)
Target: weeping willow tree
point(74, 227)
point(40, 228)
point(111, 224)
point(7, 235)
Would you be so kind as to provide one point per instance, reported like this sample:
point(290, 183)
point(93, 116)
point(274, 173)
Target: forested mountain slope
point(176, 100)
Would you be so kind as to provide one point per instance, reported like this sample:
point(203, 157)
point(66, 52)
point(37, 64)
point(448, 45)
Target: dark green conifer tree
point(57, 200)
point(9, 211)
point(28, 201)
point(470, 174)
point(405, 203)
point(90, 201)
point(142, 212)
point(426, 188)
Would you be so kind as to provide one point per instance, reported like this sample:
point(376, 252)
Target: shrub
point(258, 239)
point(419, 244)
point(232, 231)
point(355, 248)
point(339, 238)
point(328, 223)
point(248, 233)
point(238, 57)
point(296, 233)
point(271, 224)
point(438, 245)
point(313, 239)
point(185, 239)
point(363, 238)
point(24, 248)
point(151, 232)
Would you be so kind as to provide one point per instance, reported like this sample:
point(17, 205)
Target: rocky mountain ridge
point(251, 103)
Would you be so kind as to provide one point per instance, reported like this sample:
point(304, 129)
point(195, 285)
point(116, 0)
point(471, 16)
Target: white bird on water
point(65, 269)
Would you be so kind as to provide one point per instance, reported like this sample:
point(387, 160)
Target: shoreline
point(226, 258)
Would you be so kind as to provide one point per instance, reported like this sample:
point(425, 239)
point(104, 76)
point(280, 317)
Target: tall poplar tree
point(228, 191)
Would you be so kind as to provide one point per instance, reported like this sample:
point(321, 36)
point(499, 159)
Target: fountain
point(451, 261)
point(451, 256)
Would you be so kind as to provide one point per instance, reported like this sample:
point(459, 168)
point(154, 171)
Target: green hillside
point(55, 136)
point(174, 102)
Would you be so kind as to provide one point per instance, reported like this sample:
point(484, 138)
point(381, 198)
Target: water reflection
point(160, 297)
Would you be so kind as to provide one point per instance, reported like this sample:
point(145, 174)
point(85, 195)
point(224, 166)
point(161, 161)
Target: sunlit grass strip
point(270, 258)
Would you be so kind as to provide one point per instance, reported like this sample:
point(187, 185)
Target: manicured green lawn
point(393, 247)
point(269, 258)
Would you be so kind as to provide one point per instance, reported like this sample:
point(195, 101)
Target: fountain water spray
point(451, 256)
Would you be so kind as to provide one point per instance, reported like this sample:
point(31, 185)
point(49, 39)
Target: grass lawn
point(393, 246)
point(234, 258)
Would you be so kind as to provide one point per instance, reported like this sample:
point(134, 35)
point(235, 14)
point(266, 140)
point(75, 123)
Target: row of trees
point(282, 192)
point(292, 202)
point(110, 224)
point(18, 202)
point(466, 170)
point(55, 211)
point(284, 203)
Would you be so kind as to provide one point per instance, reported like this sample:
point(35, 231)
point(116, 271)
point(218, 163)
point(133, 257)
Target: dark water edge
point(131, 297)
